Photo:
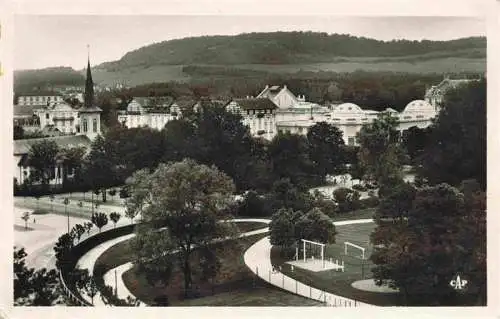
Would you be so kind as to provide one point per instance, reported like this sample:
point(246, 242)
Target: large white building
point(154, 112)
point(349, 118)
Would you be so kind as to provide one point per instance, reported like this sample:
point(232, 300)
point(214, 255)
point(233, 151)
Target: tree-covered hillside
point(44, 79)
point(288, 47)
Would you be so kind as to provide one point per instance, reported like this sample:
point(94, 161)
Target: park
point(222, 219)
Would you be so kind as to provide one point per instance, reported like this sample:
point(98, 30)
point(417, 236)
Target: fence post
point(269, 275)
point(310, 292)
point(283, 280)
point(296, 287)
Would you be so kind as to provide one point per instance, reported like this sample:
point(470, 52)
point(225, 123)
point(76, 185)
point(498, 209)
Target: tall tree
point(73, 162)
point(326, 148)
point(42, 158)
point(415, 140)
point(422, 240)
point(101, 170)
point(457, 147)
point(380, 153)
point(99, 220)
point(290, 159)
point(190, 200)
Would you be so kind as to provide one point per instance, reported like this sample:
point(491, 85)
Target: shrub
point(359, 187)
point(369, 202)
point(254, 205)
point(347, 199)
point(124, 192)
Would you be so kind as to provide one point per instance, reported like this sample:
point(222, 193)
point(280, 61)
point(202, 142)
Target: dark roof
point(39, 93)
point(154, 101)
point(26, 110)
point(92, 109)
point(68, 141)
point(185, 103)
point(256, 104)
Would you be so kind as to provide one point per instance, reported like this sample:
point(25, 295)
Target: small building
point(154, 112)
point(436, 93)
point(258, 114)
point(25, 117)
point(60, 115)
point(22, 171)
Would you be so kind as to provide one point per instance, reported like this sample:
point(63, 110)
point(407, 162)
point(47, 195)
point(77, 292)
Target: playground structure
point(312, 262)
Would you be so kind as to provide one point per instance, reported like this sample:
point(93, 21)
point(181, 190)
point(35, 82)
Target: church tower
point(89, 114)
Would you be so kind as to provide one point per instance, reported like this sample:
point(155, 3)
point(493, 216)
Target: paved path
point(258, 259)
point(88, 260)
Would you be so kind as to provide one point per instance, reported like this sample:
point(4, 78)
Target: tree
point(42, 158)
point(62, 249)
point(282, 227)
point(422, 239)
point(115, 217)
point(101, 170)
point(346, 199)
point(25, 217)
point(34, 288)
point(112, 192)
point(72, 159)
point(18, 132)
point(189, 199)
point(326, 148)
point(88, 226)
point(100, 220)
point(77, 231)
point(285, 194)
point(380, 153)
point(415, 140)
point(289, 157)
point(315, 226)
point(457, 146)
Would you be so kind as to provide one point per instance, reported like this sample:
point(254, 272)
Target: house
point(436, 93)
point(154, 112)
point(282, 97)
point(22, 171)
point(258, 114)
point(60, 115)
point(25, 117)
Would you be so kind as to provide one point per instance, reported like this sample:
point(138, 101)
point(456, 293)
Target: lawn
point(339, 283)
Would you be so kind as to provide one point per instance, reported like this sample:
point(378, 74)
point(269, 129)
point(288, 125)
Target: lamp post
point(66, 202)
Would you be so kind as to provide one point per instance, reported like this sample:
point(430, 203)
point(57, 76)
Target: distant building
point(258, 114)
point(155, 112)
point(349, 118)
point(59, 115)
point(25, 117)
point(38, 99)
point(436, 93)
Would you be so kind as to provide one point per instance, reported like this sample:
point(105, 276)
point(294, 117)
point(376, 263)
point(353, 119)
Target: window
point(85, 128)
point(94, 125)
point(47, 116)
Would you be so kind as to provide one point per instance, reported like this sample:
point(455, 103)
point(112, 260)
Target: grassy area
point(336, 282)
point(249, 226)
point(356, 214)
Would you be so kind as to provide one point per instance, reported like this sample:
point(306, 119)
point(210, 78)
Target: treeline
point(281, 48)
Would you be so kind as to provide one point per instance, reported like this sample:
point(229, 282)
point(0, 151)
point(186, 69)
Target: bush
point(124, 192)
point(369, 202)
point(359, 187)
point(254, 205)
point(347, 199)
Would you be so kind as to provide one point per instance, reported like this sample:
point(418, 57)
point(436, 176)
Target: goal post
point(310, 242)
point(349, 244)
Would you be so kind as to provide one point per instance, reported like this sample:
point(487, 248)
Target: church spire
point(89, 84)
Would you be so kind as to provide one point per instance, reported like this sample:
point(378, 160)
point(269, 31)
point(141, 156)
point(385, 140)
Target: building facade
point(349, 118)
point(259, 114)
point(38, 99)
point(60, 116)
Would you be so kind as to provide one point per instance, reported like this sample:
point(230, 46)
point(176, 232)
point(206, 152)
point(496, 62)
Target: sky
point(61, 40)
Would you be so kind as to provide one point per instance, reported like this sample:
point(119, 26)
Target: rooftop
point(256, 104)
point(68, 141)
